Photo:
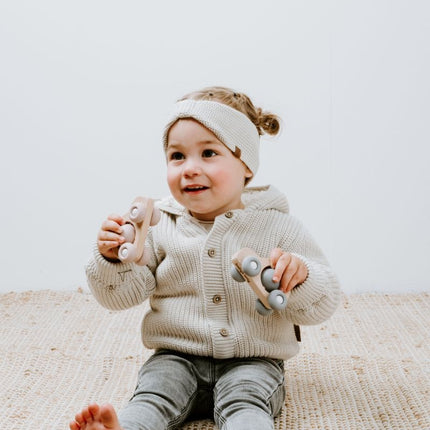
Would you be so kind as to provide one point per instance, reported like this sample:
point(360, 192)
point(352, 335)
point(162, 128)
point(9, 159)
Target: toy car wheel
point(267, 279)
point(251, 266)
point(127, 252)
point(277, 300)
point(155, 217)
point(261, 309)
point(235, 274)
point(128, 232)
point(137, 212)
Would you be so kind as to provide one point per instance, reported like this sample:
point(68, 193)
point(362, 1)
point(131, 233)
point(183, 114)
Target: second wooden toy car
point(258, 273)
point(141, 215)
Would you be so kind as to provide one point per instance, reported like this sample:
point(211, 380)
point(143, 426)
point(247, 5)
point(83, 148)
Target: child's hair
point(265, 122)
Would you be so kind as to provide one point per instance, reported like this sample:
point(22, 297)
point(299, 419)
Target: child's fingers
point(105, 246)
point(106, 235)
point(113, 239)
point(289, 274)
point(291, 279)
point(274, 255)
point(109, 250)
point(116, 218)
point(280, 261)
point(109, 237)
point(111, 225)
point(298, 277)
point(289, 269)
point(108, 243)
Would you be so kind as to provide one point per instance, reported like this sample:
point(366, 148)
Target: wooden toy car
point(258, 273)
point(141, 215)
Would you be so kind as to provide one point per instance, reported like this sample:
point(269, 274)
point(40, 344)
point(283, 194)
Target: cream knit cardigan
point(195, 305)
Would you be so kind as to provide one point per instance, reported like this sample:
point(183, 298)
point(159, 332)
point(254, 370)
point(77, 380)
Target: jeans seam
point(183, 414)
point(280, 385)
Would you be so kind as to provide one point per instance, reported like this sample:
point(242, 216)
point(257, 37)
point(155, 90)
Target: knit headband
point(230, 126)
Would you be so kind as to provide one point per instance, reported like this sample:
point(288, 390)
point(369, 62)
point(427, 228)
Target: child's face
point(202, 173)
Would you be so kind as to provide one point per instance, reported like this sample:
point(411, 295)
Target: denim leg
point(249, 394)
point(164, 394)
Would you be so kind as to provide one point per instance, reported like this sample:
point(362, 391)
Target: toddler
point(215, 355)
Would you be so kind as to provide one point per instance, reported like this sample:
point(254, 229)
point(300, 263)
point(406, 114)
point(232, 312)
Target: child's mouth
point(194, 189)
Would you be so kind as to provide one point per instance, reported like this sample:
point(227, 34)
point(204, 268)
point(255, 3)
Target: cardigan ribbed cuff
point(107, 272)
point(317, 298)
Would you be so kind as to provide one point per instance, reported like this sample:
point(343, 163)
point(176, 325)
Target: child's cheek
point(172, 180)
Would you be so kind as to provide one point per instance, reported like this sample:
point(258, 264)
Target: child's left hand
point(290, 270)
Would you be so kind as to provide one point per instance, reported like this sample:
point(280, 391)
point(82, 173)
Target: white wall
point(85, 87)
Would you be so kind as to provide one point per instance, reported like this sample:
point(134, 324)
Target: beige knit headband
point(230, 126)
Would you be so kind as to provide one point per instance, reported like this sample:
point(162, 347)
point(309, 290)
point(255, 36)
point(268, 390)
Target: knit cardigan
point(196, 307)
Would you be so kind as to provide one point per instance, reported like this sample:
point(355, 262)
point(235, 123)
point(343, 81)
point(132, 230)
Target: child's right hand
point(109, 238)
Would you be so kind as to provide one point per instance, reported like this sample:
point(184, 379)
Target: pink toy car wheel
point(137, 212)
point(127, 252)
point(128, 232)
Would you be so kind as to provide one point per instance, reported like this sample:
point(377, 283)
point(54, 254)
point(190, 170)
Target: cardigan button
point(211, 252)
point(229, 214)
point(223, 332)
point(217, 299)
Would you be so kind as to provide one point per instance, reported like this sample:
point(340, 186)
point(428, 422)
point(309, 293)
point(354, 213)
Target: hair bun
point(268, 122)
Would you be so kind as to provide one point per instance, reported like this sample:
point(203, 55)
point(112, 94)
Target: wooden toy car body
point(258, 273)
point(141, 215)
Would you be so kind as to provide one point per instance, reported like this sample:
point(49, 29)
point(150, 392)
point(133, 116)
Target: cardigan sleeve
point(317, 298)
point(118, 286)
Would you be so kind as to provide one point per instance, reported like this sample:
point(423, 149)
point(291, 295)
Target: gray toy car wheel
point(235, 274)
point(261, 309)
point(267, 279)
point(277, 300)
point(251, 266)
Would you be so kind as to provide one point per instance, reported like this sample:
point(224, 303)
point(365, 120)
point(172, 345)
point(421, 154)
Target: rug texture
point(366, 368)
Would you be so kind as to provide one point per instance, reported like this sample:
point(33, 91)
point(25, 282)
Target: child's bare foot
point(96, 417)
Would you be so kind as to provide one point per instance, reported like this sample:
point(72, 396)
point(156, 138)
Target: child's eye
point(176, 156)
point(207, 153)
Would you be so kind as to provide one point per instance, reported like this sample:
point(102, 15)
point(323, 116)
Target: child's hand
point(290, 270)
point(109, 238)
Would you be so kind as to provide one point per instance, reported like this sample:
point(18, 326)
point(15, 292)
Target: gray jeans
point(239, 393)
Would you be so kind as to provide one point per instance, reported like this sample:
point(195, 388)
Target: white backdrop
point(85, 87)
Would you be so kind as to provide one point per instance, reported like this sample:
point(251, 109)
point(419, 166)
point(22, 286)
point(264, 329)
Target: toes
point(108, 416)
point(94, 414)
point(74, 426)
point(94, 411)
point(88, 418)
point(79, 419)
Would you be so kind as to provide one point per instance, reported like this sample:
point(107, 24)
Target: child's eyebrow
point(174, 145)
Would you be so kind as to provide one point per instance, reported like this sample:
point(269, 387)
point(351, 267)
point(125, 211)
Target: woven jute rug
point(366, 368)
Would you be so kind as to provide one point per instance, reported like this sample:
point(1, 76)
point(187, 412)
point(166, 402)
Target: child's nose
point(192, 167)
